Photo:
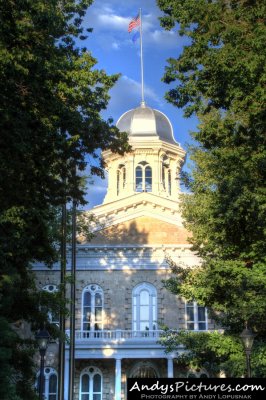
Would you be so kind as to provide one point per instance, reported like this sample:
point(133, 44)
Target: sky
point(112, 46)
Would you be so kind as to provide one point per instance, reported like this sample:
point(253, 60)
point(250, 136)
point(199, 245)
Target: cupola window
point(148, 179)
point(120, 178)
point(166, 175)
point(139, 179)
point(169, 182)
point(143, 177)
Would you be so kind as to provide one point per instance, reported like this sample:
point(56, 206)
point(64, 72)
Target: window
point(143, 170)
point(148, 179)
point(92, 308)
point(118, 182)
point(50, 388)
point(169, 182)
point(163, 176)
point(144, 369)
point(166, 174)
point(91, 384)
point(196, 317)
point(139, 179)
point(121, 178)
point(144, 308)
point(52, 316)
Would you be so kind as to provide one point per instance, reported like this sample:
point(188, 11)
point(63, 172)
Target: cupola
point(153, 165)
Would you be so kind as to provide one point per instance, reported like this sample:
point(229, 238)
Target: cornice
point(145, 146)
point(127, 258)
point(125, 209)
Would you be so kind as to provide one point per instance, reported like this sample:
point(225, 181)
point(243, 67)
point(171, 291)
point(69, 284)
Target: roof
point(143, 122)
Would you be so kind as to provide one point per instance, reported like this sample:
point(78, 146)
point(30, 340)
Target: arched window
point(163, 176)
point(117, 182)
point(124, 176)
point(139, 179)
point(92, 308)
point(144, 369)
point(121, 178)
point(90, 384)
point(196, 317)
point(52, 316)
point(143, 177)
point(164, 170)
point(50, 384)
point(148, 179)
point(169, 182)
point(144, 308)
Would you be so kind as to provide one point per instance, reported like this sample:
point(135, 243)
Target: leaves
point(220, 76)
point(51, 96)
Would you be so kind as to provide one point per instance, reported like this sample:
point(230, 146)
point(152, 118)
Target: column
point(130, 182)
point(118, 376)
point(155, 164)
point(170, 368)
point(66, 380)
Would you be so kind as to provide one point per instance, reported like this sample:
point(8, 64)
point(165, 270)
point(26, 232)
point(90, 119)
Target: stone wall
point(117, 288)
point(142, 230)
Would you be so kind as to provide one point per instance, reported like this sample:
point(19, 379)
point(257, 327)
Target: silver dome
point(146, 122)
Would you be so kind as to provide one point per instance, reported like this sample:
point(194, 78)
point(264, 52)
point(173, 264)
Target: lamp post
point(42, 338)
point(247, 337)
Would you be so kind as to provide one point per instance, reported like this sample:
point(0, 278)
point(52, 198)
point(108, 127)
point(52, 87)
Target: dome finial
point(143, 104)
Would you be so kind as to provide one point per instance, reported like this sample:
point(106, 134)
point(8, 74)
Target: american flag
point(134, 23)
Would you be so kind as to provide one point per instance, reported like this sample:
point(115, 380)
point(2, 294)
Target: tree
point(214, 353)
point(51, 96)
point(219, 77)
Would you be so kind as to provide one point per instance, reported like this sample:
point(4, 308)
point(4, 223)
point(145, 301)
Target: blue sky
point(111, 44)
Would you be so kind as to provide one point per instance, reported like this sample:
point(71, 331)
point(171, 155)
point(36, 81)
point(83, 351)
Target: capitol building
point(121, 302)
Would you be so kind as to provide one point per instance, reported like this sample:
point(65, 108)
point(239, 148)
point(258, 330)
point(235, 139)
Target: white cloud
point(105, 17)
point(112, 21)
point(169, 39)
point(115, 46)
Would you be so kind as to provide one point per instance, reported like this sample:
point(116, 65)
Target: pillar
point(118, 376)
point(170, 368)
point(66, 380)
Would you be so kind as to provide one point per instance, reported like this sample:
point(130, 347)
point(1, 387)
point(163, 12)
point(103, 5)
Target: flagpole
point(141, 62)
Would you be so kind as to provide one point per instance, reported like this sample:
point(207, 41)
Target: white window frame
point(48, 372)
point(152, 306)
point(91, 372)
point(196, 320)
point(143, 165)
point(121, 176)
point(98, 289)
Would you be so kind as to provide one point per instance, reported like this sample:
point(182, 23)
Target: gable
point(142, 230)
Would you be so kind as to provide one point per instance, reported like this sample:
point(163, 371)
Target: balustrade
point(118, 335)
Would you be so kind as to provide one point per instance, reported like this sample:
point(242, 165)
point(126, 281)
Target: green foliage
point(220, 76)
point(235, 293)
point(51, 95)
point(215, 352)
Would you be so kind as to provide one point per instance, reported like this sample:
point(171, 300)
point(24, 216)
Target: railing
point(118, 335)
